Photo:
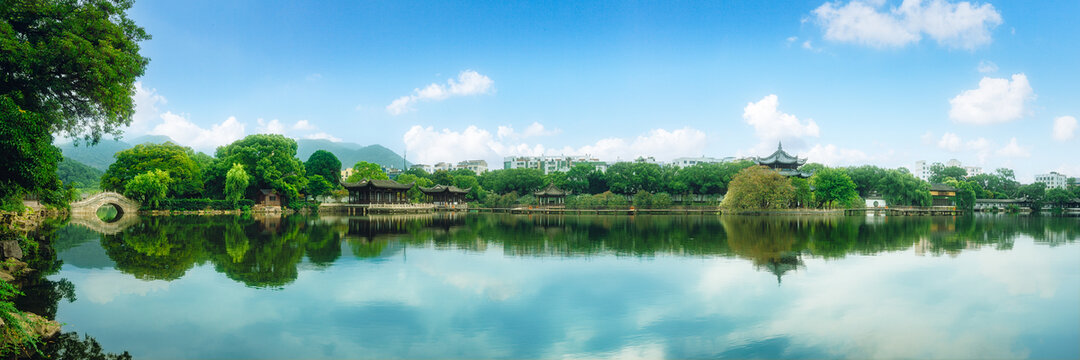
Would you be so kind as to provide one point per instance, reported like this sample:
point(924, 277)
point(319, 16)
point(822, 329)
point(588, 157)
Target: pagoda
point(784, 163)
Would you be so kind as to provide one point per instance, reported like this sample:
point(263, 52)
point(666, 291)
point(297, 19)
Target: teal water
point(502, 286)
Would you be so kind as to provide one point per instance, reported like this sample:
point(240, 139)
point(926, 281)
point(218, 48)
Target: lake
point(518, 286)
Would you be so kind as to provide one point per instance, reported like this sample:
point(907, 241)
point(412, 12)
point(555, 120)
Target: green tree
point(584, 178)
point(365, 170)
point(758, 187)
point(325, 164)
point(236, 183)
point(628, 178)
point(66, 67)
point(29, 161)
point(866, 178)
point(148, 188)
point(317, 186)
point(520, 181)
point(965, 193)
point(940, 173)
point(900, 188)
point(833, 187)
point(661, 201)
point(1058, 197)
point(643, 200)
point(804, 197)
point(1034, 193)
point(168, 157)
point(270, 161)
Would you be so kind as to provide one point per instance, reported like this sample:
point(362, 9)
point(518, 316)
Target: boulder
point(10, 249)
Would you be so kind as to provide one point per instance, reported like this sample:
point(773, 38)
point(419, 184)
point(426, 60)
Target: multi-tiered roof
point(784, 163)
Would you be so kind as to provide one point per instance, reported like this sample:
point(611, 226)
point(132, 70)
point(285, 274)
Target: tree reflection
point(267, 252)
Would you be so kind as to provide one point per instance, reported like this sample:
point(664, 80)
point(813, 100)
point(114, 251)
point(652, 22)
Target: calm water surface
point(576, 286)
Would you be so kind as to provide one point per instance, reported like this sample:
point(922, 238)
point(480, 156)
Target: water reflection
point(481, 286)
point(266, 251)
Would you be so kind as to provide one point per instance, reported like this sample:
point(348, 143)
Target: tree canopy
point(325, 164)
point(176, 160)
point(65, 67)
point(366, 170)
point(270, 161)
point(833, 188)
point(758, 187)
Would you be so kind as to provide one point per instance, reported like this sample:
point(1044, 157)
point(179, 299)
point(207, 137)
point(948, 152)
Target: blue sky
point(863, 82)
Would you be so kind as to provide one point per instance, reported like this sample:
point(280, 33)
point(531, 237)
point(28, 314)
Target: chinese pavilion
point(942, 195)
point(377, 192)
point(551, 196)
point(445, 195)
point(784, 163)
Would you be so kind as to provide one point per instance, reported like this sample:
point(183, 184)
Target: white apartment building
point(688, 161)
point(922, 171)
point(550, 164)
point(1053, 180)
point(443, 166)
point(423, 167)
point(477, 166)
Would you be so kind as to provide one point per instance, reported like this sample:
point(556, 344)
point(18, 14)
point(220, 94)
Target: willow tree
point(66, 67)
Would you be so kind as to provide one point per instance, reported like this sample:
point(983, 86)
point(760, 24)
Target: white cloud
point(146, 110)
point(428, 145)
point(981, 147)
point(187, 133)
point(987, 67)
point(771, 125)
point(272, 127)
point(995, 101)
point(104, 287)
point(303, 125)
point(322, 136)
point(1064, 128)
point(534, 129)
point(832, 155)
point(949, 141)
point(468, 83)
point(957, 25)
point(1012, 149)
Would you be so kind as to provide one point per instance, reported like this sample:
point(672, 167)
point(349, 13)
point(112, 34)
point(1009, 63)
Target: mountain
point(100, 156)
point(350, 153)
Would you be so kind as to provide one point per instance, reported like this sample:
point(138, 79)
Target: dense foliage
point(367, 171)
point(203, 204)
point(65, 67)
point(758, 187)
point(323, 163)
point(175, 160)
point(269, 160)
point(833, 188)
point(148, 188)
point(236, 183)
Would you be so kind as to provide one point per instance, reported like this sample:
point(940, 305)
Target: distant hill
point(71, 171)
point(351, 153)
point(100, 156)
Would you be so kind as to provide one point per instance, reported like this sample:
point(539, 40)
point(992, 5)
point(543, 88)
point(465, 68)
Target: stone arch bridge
point(91, 204)
point(84, 212)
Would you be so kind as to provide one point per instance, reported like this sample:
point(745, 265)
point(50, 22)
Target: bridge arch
point(88, 207)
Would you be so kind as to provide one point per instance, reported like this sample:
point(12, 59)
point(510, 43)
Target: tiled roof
point(382, 184)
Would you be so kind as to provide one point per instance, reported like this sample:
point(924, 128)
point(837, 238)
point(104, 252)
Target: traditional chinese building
point(377, 192)
point(943, 195)
point(551, 196)
point(784, 163)
point(445, 195)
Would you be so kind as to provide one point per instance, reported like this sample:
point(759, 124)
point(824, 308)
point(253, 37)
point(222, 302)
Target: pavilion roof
point(380, 184)
point(443, 188)
point(551, 190)
point(780, 157)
